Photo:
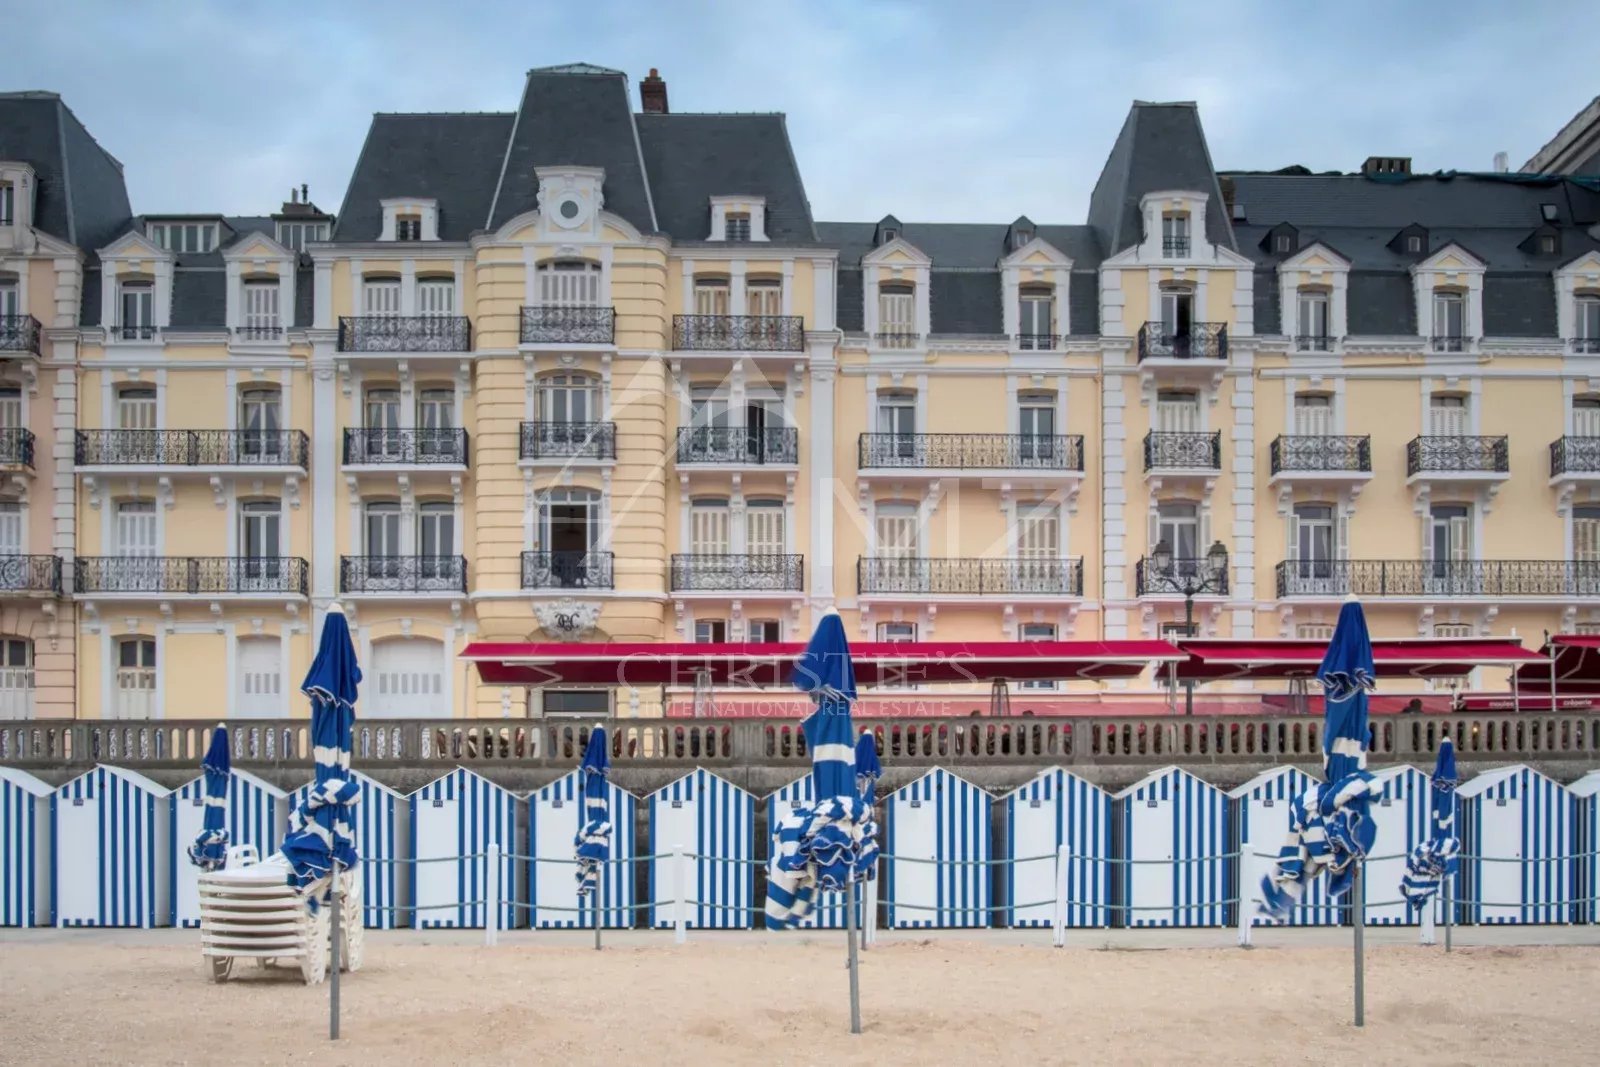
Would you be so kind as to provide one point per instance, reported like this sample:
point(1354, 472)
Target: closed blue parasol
point(1435, 858)
point(593, 842)
point(210, 849)
point(319, 830)
point(1330, 826)
point(868, 771)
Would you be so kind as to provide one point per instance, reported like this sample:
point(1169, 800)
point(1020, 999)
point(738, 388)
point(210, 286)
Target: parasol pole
point(855, 960)
point(333, 990)
point(600, 905)
point(1358, 910)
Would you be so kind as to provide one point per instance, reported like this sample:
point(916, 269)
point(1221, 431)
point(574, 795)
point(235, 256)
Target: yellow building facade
point(583, 372)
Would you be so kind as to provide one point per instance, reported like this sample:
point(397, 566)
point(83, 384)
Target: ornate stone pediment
point(567, 619)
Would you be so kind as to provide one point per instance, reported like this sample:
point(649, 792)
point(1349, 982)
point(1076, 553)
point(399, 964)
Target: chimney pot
point(305, 193)
point(653, 93)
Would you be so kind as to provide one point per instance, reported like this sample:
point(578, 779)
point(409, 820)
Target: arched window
point(407, 680)
point(568, 398)
point(135, 692)
point(16, 678)
point(569, 283)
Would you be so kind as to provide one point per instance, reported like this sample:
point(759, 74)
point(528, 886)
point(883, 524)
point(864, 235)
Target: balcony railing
point(1575, 455)
point(1175, 246)
point(1321, 453)
point(284, 575)
point(402, 574)
point(258, 333)
point(1203, 340)
point(406, 448)
point(978, 577)
point(970, 451)
point(405, 333)
point(16, 447)
point(716, 573)
point(19, 333)
point(569, 440)
point(135, 332)
point(567, 570)
point(1588, 345)
point(1313, 342)
point(1037, 342)
point(738, 333)
point(191, 448)
point(548, 324)
point(1148, 580)
point(1435, 454)
point(1439, 578)
point(30, 574)
point(738, 444)
point(1183, 451)
point(896, 339)
point(1449, 342)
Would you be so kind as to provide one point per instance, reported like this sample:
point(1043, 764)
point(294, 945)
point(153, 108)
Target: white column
point(408, 287)
point(231, 311)
point(820, 460)
point(324, 470)
point(322, 297)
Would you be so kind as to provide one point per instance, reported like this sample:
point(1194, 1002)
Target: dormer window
point(1019, 233)
point(260, 320)
point(1413, 243)
point(897, 315)
point(295, 236)
point(1449, 321)
point(889, 234)
point(8, 203)
point(1548, 212)
point(1548, 245)
point(138, 311)
point(1282, 243)
point(408, 228)
point(736, 226)
point(1587, 323)
point(1175, 234)
point(1312, 332)
point(184, 236)
point(1035, 326)
point(410, 219)
point(888, 230)
point(738, 218)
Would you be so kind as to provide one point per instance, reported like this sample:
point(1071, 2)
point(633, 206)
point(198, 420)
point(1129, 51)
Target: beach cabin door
point(1150, 822)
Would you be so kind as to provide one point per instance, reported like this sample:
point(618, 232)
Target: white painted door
point(765, 529)
point(1177, 412)
point(260, 665)
point(1447, 416)
point(708, 530)
point(569, 284)
point(381, 297)
point(711, 298)
point(1586, 415)
point(1313, 415)
point(261, 306)
point(408, 679)
point(916, 836)
point(1150, 885)
point(77, 884)
point(136, 528)
point(436, 297)
point(10, 528)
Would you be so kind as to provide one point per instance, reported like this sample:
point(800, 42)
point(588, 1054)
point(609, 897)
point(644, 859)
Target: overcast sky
point(933, 111)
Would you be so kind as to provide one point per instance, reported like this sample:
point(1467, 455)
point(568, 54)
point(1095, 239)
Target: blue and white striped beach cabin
point(1586, 800)
point(714, 820)
point(829, 914)
point(24, 849)
point(383, 832)
point(1174, 829)
point(937, 846)
point(554, 813)
point(1516, 814)
point(1258, 812)
point(112, 845)
point(258, 814)
point(1057, 807)
point(1403, 817)
point(453, 821)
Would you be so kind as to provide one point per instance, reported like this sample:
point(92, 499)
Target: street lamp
point(1210, 577)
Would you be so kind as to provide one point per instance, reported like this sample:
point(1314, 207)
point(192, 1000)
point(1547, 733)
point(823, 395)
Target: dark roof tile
point(691, 158)
point(1161, 147)
point(454, 159)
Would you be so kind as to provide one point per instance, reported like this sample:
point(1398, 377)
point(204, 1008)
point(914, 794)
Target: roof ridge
point(442, 114)
point(712, 114)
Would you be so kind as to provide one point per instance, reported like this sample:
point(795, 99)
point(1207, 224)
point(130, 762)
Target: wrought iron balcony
point(135, 332)
point(191, 448)
point(738, 445)
point(738, 333)
point(1203, 340)
point(165, 575)
point(1321, 454)
point(405, 333)
point(405, 448)
point(30, 574)
point(258, 333)
point(717, 573)
point(568, 570)
point(1180, 574)
point(1575, 455)
point(402, 574)
point(1313, 342)
point(970, 451)
point(550, 324)
point(1175, 246)
point(896, 339)
point(1037, 342)
point(19, 333)
point(1588, 345)
point(1432, 454)
point(1438, 578)
point(1183, 451)
point(1450, 342)
point(975, 577)
point(16, 447)
point(569, 440)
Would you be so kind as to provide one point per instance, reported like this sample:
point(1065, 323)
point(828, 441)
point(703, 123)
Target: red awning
point(758, 666)
point(1577, 666)
point(1420, 658)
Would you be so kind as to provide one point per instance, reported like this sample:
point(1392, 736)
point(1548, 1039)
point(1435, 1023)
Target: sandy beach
point(727, 1001)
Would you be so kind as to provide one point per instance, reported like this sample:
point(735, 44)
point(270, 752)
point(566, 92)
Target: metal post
point(869, 932)
point(680, 884)
point(854, 960)
point(1059, 919)
point(1427, 927)
point(1358, 910)
point(1188, 631)
point(1247, 873)
point(1449, 908)
point(599, 905)
point(335, 935)
point(491, 896)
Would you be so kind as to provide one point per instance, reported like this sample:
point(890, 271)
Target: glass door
point(897, 428)
point(383, 438)
point(1450, 570)
point(1036, 422)
point(436, 544)
point(1178, 524)
point(260, 414)
point(382, 546)
point(1313, 548)
point(260, 528)
point(436, 416)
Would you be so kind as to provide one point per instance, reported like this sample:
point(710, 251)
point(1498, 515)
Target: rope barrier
point(380, 860)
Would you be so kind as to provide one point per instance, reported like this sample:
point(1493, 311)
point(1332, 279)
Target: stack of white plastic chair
point(249, 910)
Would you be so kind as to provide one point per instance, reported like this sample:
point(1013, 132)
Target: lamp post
point(1210, 576)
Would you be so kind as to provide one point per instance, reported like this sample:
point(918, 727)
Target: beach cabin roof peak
point(1171, 768)
point(23, 780)
point(149, 785)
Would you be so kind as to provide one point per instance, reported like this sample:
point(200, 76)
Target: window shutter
point(1154, 533)
point(1341, 534)
point(1294, 536)
point(1203, 542)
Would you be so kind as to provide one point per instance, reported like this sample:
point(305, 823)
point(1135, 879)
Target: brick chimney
point(653, 94)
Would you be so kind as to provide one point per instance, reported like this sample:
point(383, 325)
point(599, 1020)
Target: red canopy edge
point(1525, 701)
point(1217, 659)
point(762, 665)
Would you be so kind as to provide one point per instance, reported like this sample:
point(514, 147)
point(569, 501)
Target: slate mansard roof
point(81, 196)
